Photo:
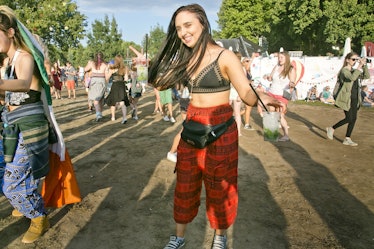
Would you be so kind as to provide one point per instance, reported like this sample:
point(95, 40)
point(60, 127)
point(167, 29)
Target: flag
point(38, 54)
point(60, 187)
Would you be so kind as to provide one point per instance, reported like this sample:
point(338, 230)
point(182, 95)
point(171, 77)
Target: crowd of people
point(213, 87)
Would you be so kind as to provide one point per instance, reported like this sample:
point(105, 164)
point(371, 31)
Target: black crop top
point(209, 80)
point(117, 78)
point(20, 98)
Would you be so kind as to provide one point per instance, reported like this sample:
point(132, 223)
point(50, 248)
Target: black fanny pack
point(200, 135)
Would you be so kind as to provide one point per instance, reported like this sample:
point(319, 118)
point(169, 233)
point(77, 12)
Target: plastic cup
point(270, 123)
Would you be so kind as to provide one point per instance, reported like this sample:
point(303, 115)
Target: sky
point(136, 18)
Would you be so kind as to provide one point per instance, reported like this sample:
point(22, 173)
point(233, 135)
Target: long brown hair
point(287, 64)
point(120, 65)
point(170, 65)
point(8, 20)
point(347, 57)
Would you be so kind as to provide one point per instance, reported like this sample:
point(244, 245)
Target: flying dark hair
point(170, 64)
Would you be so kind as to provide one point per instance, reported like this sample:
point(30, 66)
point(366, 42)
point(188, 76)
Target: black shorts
point(183, 104)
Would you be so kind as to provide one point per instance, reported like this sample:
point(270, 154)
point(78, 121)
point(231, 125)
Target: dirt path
point(306, 193)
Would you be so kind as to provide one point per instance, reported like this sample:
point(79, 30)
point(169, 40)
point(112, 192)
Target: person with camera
point(348, 97)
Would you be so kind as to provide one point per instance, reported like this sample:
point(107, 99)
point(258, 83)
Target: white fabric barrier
point(318, 71)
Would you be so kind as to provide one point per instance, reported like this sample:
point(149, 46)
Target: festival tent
point(240, 44)
point(363, 52)
point(347, 47)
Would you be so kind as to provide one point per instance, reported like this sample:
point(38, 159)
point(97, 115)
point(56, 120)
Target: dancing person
point(282, 78)
point(81, 74)
point(349, 97)
point(87, 82)
point(166, 99)
point(25, 123)
point(98, 70)
point(135, 92)
point(190, 55)
point(247, 70)
point(63, 74)
point(70, 79)
point(236, 102)
point(57, 84)
point(119, 73)
point(184, 101)
point(158, 106)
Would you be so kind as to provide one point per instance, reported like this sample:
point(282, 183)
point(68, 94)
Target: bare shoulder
point(227, 58)
point(228, 55)
point(24, 60)
point(25, 56)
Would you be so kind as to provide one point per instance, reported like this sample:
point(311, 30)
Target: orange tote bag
point(60, 186)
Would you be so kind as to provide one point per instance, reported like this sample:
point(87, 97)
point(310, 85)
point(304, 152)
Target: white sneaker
point(248, 127)
point(166, 118)
point(172, 157)
point(348, 141)
point(135, 117)
point(172, 120)
point(330, 133)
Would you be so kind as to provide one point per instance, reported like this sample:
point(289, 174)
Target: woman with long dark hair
point(192, 57)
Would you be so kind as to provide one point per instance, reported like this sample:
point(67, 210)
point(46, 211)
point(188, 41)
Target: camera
point(368, 60)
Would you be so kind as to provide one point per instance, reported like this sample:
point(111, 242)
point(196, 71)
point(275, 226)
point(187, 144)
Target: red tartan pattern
point(216, 165)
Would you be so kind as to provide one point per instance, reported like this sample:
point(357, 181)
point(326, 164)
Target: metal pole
point(146, 49)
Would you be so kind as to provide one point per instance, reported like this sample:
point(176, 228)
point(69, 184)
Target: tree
point(312, 26)
point(105, 38)
point(351, 19)
point(59, 24)
point(250, 19)
point(155, 40)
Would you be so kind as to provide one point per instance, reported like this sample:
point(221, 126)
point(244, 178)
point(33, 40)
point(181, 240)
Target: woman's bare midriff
point(210, 99)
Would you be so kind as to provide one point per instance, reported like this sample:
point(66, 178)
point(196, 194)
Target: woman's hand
point(268, 77)
point(362, 61)
point(270, 101)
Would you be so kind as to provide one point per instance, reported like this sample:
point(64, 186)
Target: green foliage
point(104, 38)
point(155, 40)
point(312, 26)
point(244, 18)
point(59, 24)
